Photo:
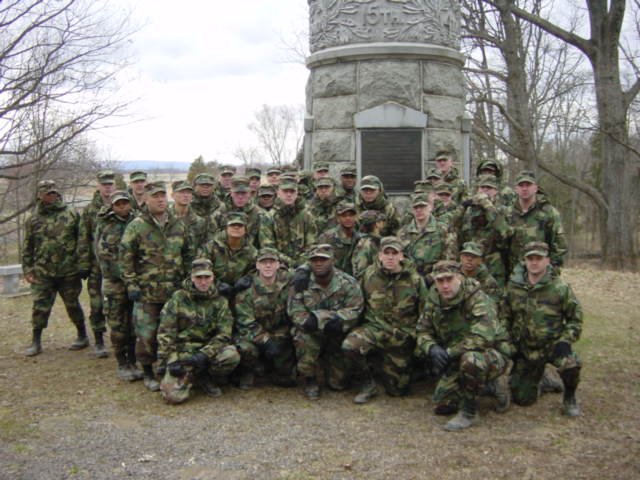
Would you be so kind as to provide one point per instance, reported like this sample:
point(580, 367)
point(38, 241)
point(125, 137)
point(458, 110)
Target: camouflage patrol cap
point(181, 185)
point(434, 173)
point(443, 154)
point(253, 172)
point(228, 170)
point(322, 250)
point(236, 218)
point(536, 248)
point(472, 248)
point(489, 165)
point(273, 170)
point(47, 186)
point(370, 182)
point(268, 253)
point(526, 176)
point(420, 200)
point(240, 183)
point(204, 178)
point(444, 189)
point(487, 181)
point(345, 206)
point(391, 242)
point(201, 267)
point(369, 217)
point(289, 176)
point(305, 177)
point(106, 177)
point(321, 167)
point(445, 268)
point(288, 185)
point(137, 175)
point(348, 170)
point(324, 182)
point(155, 187)
point(119, 195)
point(266, 190)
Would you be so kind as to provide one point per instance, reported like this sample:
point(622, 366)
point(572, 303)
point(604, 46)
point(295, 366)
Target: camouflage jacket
point(343, 247)
point(88, 219)
point(193, 321)
point(254, 218)
point(541, 315)
point(460, 190)
point(204, 206)
point(449, 215)
point(323, 212)
point(364, 254)
point(109, 231)
point(229, 265)
point(342, 194)
point(428, 246)
point(488, 283)
point(540, 223)
point(506, 195)
point(50, 243)
point(469, 322)
point(393, 301)
point(342, 296)
point(196, 226)
point(384, 205)
point(290, 230)
point(134, 202)
point(155, 259)
point(261, 310)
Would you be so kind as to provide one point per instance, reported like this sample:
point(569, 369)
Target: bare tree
point(279, 131)
point(248, 156)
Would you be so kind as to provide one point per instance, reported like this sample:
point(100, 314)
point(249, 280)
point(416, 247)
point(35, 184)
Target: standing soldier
point(447, 211)
point(255, 175)
point(444, 163)
point(322, 207)
point(545, 319)
point(505, 194)
point(263, 328)
point(273, 176)
point(372, 197)
point(204, 200)
point(155, 253)
point(194, 337)
point(137, 181)
point(118, 309)
point(347, 188)
point(365, 252)
point(344, 237)
point(322, 315)
point(50, 263)
point(459, 331)
point(320, 170)
point(182, 194)
point(88, 262)
point(394, 296)
point(266, 197)
point(224, 182)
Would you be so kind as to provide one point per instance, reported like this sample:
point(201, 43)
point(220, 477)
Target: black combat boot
point(36, 345)
point(368, 390)
point(570, 378)
point(136, 373)
point(99, 349)
point(81, 340)
point(123, 366)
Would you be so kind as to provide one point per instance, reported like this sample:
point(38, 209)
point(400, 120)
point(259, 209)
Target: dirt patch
point(65, 414)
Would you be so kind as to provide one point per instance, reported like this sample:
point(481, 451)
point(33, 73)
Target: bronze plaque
point(393, 155)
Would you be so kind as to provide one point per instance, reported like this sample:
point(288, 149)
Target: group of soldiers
point(302, 276)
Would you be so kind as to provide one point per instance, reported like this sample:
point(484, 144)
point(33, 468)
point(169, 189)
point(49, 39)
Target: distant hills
point(153, 166)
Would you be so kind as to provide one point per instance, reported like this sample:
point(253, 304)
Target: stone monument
point(385, 89)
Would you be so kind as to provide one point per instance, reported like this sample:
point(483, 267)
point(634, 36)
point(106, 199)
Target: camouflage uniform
point(190, 322)
point(364, 254)
point(254, 218)
point(343, 246)
point(506, 195)
point(204, 206)
point(49, 252)
point(539, 316)
point(155, 260)
point(342, 297)
point(196, 225)
point(381, 204)
point(323, 212)
point(341, 192)
point(229, 265)
point(393, 304)
point(133, 176)
point(460, 191)
point(488, 283)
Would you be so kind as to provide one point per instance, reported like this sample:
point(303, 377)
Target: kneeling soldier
point(194, 337)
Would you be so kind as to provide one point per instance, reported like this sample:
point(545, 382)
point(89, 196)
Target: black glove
point(135, 295)
point(271, 349)
point(467, 203)
point(198, 360)
point(243, 283)
point(162, 369)
point(83, 274)
point(225, 289)
point(301, 278)
point(561, 350)
point(439, 359)
point(176, 369)
point(310, 324)
point(333, 325)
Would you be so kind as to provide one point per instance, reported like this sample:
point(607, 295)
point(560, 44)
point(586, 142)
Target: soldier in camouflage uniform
point(155, 256)
point(394, 295)
point(194, 337)
point(320, 170)
point(182, 194)
point(365, 252)
point(534, 219)
point(118, 309)
point(255, 175)
point(137, 181)
point(205, 202)
point(505, 194)
point(223, 188)
point(545, 319)
point(427, 240)
point(322, 315)
point(273, 176)
point(372, 197)
point(232, 255)
point(472, 266)
point(88, 263)
point(461, 334)
point(262, 327)
point(50, 263)
point(288, 227)
point(344, 237)
point(240, 196)
point(347, 188)
point(444, 163)
point(446, 210)
point(322, 207)
point(266, 197)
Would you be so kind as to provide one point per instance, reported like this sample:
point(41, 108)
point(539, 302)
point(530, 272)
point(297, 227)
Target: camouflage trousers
point(252, 354)
point(96, 315)
point(396, 350)
point(44, 295)
point(118, 310)
point(146, 318)
point(527, 373)
point(465, 377)
point(317, 349)
point(177, 390)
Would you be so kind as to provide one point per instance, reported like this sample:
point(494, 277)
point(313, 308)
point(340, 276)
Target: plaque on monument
point(394, 155)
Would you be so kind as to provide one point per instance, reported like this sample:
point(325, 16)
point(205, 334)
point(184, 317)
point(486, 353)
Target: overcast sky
point(202, 69)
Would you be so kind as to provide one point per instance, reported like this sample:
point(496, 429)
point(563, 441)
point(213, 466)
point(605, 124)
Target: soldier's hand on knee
point(439, 358)
point(310, 324)
point(176, 369)
point(162, 369)
point(333, 325)
point(198, 360)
